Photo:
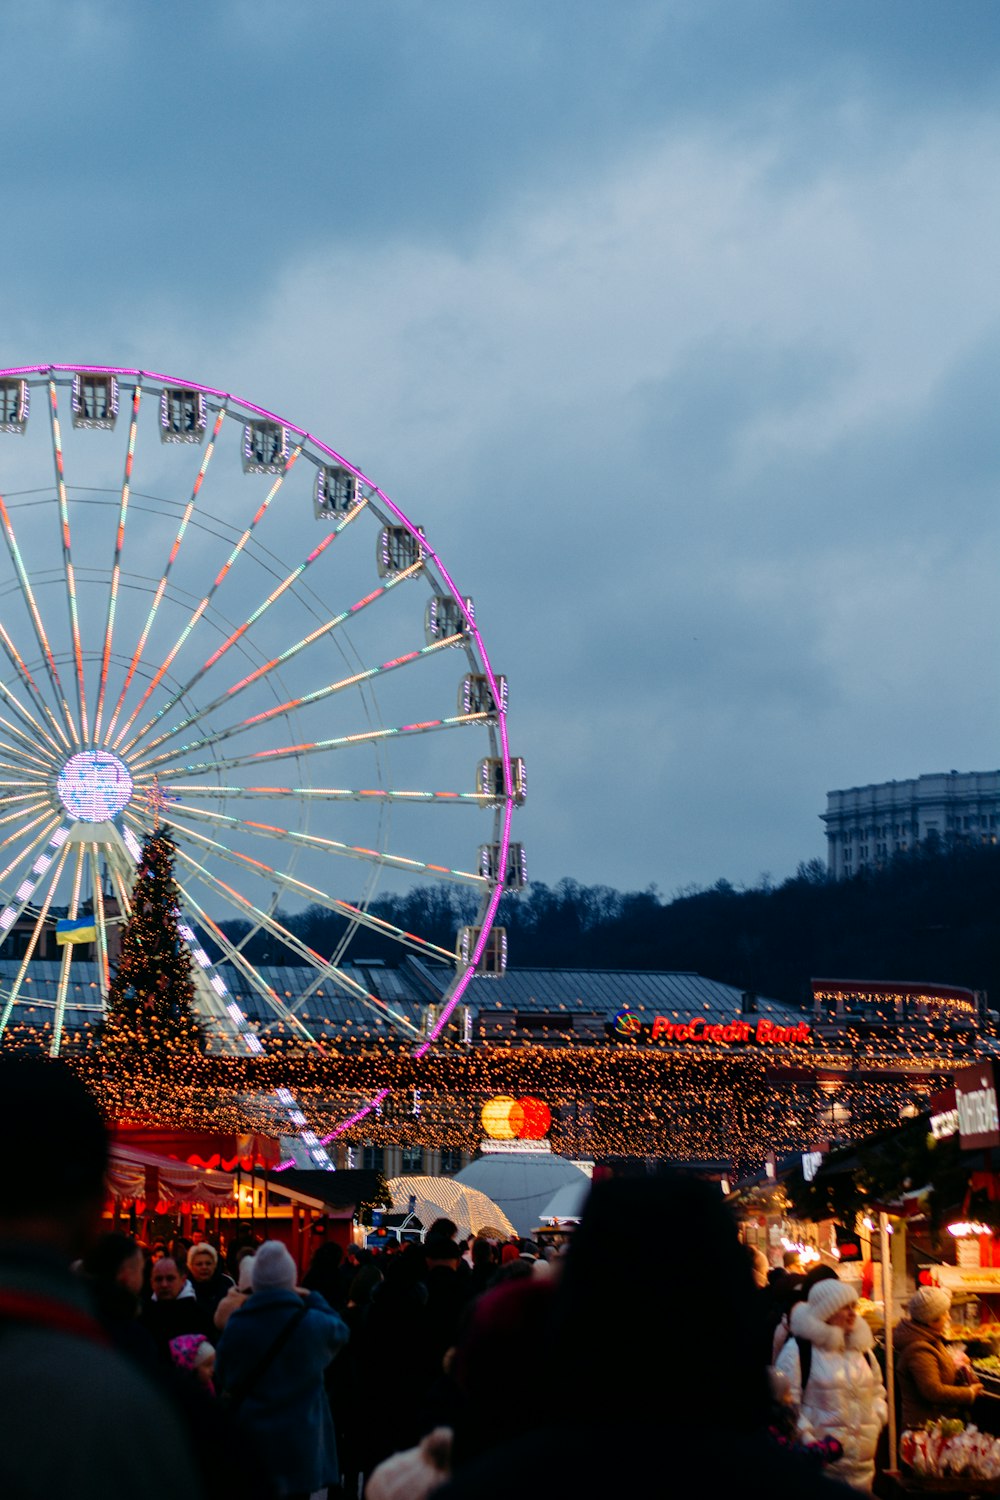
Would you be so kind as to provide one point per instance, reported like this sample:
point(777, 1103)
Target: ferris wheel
point(212, 622)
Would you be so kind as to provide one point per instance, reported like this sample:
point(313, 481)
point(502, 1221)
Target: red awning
point(209, 1150)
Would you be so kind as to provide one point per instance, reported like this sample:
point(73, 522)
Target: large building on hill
point(867, 825)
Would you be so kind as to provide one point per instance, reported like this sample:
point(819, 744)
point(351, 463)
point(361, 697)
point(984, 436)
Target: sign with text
point(702, 1030)
point(976, 1102)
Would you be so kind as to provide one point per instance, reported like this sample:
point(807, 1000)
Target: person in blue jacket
point(270, 1363)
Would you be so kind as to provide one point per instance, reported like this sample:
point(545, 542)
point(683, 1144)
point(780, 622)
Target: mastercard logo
point(508, 1119)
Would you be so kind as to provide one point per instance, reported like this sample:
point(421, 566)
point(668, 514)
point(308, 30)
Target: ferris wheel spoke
point(329, 794)
point(36, 932)
point(31, 802)
point(162, 585)
point(31, 753)
point(36, 814)
point(25, 852)
point(67, 957)
point(67, 551)
point(35, 730)
point(313, 893)
point(20, 759)
point(332, 846)
point(241, 630)
point(116, 567)
point(295, 945)
point(120, 874)
point(26, 780)
point(241, 962)
point(277, 662)
point(341, 742)
point(31, 881)
point(100, 924)
point(197, 613)
point(51, 669)
point(307, 700)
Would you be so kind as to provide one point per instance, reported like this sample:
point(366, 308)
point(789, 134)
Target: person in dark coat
point(656, 1387)
point(208, 1280)
point(114, 1270)
point(324, 1276)
point(173, 1308)
point(395, 1337)
point(80, 1418)
point(286, 1408)
point(448, 1291)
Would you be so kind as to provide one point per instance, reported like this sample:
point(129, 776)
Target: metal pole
point(890, 1361)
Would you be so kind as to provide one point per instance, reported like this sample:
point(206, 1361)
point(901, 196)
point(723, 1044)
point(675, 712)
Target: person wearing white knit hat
point(932, 1381)
point(834, 1380)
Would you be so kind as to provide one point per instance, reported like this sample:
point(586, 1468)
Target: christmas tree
point(151, 999)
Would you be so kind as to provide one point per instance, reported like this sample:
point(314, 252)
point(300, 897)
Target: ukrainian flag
point(76, 930)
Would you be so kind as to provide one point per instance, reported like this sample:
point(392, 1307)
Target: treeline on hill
point(932, 915)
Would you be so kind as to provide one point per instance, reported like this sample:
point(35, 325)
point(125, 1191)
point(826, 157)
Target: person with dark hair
point(324, 1276)
point(173, 1308)
point(484, 1264)
point(80, 1418)
point(657, 1388)
point(114, 1268)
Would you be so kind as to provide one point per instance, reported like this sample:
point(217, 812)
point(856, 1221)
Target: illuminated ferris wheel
point(211, 621)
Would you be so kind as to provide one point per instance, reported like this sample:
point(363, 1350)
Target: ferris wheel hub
point(94, 785)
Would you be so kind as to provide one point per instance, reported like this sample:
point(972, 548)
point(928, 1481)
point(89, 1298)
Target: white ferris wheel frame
point(48, 731)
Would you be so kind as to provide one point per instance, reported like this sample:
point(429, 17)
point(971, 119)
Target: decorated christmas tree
point(151, 998)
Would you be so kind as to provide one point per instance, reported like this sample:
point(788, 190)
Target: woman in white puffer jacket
point(844, 1397)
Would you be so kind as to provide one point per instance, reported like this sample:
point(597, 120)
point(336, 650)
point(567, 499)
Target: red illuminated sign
point(727, 1032)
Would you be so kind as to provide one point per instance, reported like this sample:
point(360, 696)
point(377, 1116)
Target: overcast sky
point(675, 323)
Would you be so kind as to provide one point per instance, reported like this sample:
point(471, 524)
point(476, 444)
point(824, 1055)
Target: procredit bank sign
point(701, 1030)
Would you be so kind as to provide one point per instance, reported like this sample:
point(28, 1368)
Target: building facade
point(867, 825)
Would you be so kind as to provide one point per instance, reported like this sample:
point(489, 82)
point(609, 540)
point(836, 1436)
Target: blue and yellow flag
point(76, 930)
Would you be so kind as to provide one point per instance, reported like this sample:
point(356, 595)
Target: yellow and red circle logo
point(508, 1119)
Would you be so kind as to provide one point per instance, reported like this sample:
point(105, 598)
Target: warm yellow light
point(502, 1117)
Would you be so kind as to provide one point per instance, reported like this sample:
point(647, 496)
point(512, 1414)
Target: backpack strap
point(239, 1392)
point(47, 1312)
point(805, 1360)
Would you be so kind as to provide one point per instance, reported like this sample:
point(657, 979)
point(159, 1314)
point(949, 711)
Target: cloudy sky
point(676, 324)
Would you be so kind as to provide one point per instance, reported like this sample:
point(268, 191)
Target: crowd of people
point(654, 1352)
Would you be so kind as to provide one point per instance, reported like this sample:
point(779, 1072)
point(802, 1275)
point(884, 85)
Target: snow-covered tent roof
point(566, 1202)
point(522, 1183)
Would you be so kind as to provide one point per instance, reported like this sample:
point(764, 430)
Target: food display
point(949, 1449)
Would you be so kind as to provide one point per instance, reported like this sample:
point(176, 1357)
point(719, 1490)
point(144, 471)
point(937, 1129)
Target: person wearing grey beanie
point(270, 1368)
point(830, 1376)
point(932, 1381)
point(272, 1267)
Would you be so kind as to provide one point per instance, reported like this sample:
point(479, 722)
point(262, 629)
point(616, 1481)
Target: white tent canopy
point(443, 1197)
point(566, 1202)
point(522, 1183)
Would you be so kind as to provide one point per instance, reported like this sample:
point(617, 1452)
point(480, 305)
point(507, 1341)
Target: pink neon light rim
point(225, 397)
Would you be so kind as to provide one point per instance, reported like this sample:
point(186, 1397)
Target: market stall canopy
point(136, 1176)
point(444, 1197)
